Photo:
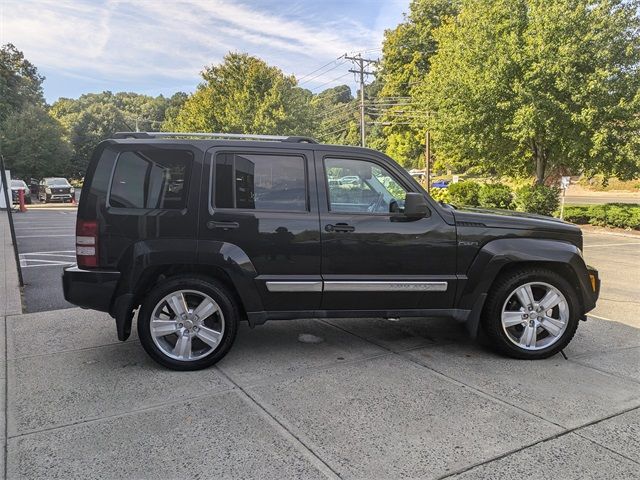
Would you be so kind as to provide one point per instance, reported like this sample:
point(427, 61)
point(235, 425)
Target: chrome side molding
point(382, 286)
point(355, 286)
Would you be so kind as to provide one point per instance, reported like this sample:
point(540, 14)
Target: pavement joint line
point(275, 422)
point(472, 388)
point(136, 411)
point(548, 439)
point(83, 349)
point(607, 448)
point(615, 375)
point(304, 371)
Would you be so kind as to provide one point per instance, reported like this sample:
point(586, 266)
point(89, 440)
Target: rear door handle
point(211, 225)
point(339, 228)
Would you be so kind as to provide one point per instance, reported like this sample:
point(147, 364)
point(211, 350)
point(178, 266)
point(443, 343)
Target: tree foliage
point(95, 116)
point(245, 95)
point(20, 82)
point(532, 86)
point(33, 143)
point(407, 52)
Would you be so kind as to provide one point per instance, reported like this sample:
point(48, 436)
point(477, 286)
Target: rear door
point(263, 201)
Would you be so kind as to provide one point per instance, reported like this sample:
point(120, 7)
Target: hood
point(497, 218)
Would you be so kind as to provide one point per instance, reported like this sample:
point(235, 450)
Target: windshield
point(18, 184)
point(58, 182)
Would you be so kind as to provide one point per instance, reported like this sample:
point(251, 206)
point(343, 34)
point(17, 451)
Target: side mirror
point(416, 206)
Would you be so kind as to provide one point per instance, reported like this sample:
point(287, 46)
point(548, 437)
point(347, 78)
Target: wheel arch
point(504, 255)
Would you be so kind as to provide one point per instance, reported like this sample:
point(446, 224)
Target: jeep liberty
point(197, 232)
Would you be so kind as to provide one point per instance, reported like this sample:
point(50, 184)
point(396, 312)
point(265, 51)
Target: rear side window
point(151, 179)
point(260, 182)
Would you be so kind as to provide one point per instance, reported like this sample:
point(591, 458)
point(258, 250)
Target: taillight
point(87, 243)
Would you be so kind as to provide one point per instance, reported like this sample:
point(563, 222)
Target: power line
point(322, 73)
point(330, 81)
point(318, 69)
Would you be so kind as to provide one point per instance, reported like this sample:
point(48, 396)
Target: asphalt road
point(46, 243)
point(600, 199)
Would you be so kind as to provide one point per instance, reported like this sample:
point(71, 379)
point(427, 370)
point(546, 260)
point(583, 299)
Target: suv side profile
point(197, 232)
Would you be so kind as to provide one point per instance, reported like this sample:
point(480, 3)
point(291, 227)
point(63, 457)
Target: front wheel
point(188, 323)
point(531, 314)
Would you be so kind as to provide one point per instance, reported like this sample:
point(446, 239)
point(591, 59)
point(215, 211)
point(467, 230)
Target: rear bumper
point(92, 289)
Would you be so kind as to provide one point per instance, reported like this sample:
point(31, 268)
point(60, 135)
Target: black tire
point(491, 321)
point(213, 289)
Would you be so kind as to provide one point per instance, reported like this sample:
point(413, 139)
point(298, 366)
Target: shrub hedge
point(537, 199)
point(619, 215)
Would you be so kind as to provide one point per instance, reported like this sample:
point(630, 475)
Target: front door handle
point(339, 228)
point(211, 225)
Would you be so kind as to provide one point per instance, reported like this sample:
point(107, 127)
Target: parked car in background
point(440, 184)
point(197, 235)
point(16, 186)
point(55, 189)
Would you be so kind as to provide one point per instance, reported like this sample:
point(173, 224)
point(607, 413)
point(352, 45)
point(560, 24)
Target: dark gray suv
point(199, 231)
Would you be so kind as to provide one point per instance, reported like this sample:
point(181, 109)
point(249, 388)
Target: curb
point(609, 231)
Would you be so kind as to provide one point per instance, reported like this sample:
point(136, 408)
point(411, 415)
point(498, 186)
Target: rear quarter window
point(155, 179)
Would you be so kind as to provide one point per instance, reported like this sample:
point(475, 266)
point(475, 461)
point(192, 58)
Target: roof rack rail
point(222, 136)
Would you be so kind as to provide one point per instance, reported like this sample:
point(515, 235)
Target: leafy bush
point(440, 194)
point(538, 199)
point(609, 215)
point(495, 195)
point(464, 193)
point(574, 214)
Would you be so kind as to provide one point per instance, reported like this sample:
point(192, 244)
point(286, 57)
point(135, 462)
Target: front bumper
point(92, 289)
point(594, 283)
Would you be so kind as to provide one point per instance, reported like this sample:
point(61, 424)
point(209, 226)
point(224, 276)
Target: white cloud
point(119, 40)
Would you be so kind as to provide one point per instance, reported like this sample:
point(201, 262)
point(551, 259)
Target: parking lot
point(320, 399)
point(46, 242)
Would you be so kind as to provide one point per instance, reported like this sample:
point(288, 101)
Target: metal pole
point(362, 132)
point(564, 191)
point(6, 188)
point(427, 156)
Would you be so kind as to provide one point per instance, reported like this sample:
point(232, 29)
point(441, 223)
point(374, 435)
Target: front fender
point(497, 254)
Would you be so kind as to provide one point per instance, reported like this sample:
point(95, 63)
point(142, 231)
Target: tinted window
point(362, 186)
point(260, 182)
point(151, 179)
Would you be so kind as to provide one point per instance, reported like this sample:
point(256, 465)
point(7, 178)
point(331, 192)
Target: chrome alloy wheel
point(187, 325)
point(535, 315)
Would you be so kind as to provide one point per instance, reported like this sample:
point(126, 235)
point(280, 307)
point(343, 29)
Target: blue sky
point(155, 46)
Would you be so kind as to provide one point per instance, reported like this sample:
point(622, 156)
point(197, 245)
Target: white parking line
point(42, 236)
point(612, 244)
point(47, 253)
point(47, 265)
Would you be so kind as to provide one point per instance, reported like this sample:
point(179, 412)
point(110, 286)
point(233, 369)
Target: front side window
point(260, 182)
point(359, 186)
point(151, 179)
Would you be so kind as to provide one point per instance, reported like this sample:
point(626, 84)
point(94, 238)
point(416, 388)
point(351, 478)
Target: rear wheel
point(188, 323)
point(531, 314)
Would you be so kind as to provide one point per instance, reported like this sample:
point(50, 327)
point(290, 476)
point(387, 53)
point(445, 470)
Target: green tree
point(95, 116)
point(20, 82)
point(33, 144)
point(245, 95)
point(336, 116)
point(407, 50)
point(532, 86)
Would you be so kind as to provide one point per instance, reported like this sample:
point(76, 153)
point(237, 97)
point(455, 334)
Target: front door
point(373, 257)
point(260, 202)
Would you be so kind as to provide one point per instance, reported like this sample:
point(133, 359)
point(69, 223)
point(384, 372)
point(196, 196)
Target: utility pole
point(361, 64)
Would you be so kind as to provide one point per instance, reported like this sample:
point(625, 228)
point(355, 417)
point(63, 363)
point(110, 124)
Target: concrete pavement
point(361, 398)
